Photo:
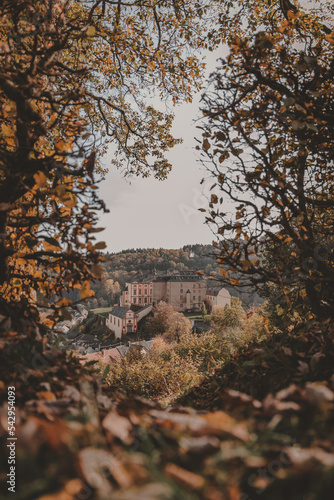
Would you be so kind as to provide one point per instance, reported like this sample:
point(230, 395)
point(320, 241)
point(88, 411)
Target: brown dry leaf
point(37, 431)
point(203, 445)
point(234, 492)
point(288, 392)
point(211, 424)
point(255, 462)
point(271, 404)
point(93, 462)
point(70, 490)
point(180, 421)
point(315, 359)
point(184, 477)
point(72, 393)
point(46, 395)
point(318, 395)
point(118, 426)
point(30, 372)
point(85, 291)
point(40, 179)
point(299, 455)
point(104, 401)
point(303, 368)
point(220, 423)
point(153, 491)
point(261, 483)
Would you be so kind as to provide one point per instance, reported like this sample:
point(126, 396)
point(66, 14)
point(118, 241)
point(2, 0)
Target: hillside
point(121, 267)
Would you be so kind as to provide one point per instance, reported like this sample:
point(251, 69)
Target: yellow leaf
point(91, 30)
point(246, 264)
point(96, 270)
point(100, 245)
point(48, 322)
point(46, 395)
point(40, 179)
point(51, 248)
point(85, 291)
point(70, 203)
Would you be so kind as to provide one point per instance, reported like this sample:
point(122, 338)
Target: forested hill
point(121, 267)
point(187, 258)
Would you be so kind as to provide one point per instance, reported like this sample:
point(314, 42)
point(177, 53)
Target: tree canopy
point(74, 76)
point(268, 135)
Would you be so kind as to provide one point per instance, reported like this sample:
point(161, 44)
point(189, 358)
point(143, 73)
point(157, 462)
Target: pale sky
point(147, 213)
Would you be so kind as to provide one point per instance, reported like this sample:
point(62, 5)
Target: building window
point(114, 321)
point(134, 292)
point(181, 291)
point(118, 322)
point(181, 297)
point(145, 291)
point(145, 300)
point(150, 300)
point(181, 305)
point(199, 298)
point(194, 298)
point(139, 300)
point(134, 301)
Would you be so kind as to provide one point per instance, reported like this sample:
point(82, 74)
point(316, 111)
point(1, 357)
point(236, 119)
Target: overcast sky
point(147, 213)
point(151, 213)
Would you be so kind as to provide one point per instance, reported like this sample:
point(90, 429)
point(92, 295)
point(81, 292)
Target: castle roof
point(119, 311)
point(185, 276)
point(182, 277)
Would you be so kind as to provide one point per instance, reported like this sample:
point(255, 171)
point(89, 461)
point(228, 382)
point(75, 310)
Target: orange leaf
point(46, 395)
point(40, 179)
point(85, 291)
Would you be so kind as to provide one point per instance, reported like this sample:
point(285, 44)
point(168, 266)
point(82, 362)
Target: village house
point(138, 292)
point(124, 320)
point(184, 291)
point(216, 296)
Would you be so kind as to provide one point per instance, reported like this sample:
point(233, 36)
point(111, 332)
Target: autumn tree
point(268, 136)
point(74, 76)
point(229, 316)
point(203, 310)
point(168, 322)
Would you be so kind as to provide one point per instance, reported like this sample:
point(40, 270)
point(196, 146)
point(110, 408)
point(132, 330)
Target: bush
point(229, 316)
point(153, 377)
point(168, 322)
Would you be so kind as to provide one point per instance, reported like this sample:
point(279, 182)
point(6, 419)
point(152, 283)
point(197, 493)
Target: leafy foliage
point(76, 439)
point(268, 135)
point(72, 79)
point(229, 316)
point(167, 322)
